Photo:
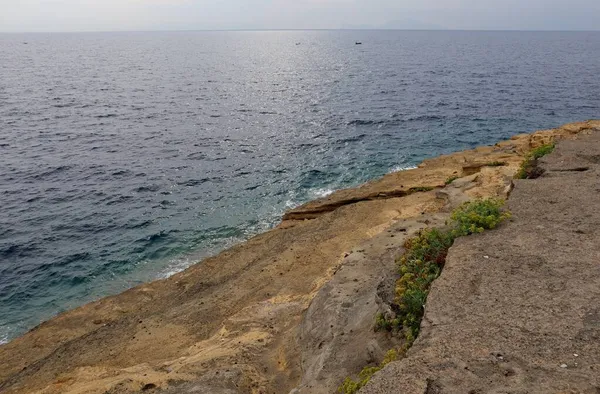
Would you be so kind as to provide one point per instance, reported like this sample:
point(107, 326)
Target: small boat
point(358, 43)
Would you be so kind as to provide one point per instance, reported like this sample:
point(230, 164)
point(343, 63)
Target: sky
point(127, 15)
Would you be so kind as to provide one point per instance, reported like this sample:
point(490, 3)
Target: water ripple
point(120, 171)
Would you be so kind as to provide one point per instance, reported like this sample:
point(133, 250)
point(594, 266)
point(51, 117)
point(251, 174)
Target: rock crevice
point(516, 308)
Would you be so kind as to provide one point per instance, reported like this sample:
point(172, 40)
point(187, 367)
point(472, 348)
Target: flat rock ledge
point(517, 309)
point(433, 173)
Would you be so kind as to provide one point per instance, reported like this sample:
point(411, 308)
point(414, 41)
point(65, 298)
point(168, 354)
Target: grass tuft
point(350, 386)
point(529, 168)
point(542, 151)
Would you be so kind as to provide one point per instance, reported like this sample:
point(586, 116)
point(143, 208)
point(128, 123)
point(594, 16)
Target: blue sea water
point(125, 157)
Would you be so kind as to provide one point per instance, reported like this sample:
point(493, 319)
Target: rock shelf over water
point(293, 308)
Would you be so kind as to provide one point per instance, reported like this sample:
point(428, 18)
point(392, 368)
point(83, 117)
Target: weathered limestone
point(517, 309)
point(244, 321)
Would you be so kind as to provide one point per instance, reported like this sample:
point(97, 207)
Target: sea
point(127, 157)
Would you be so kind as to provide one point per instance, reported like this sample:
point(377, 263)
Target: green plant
point(422, 262)
point(525, 170)
point(529, 168)
point(451, 179)
point(420, 265)
point(425, 257)
point(350, 386)
point(495, 164)
point(382, 323)
point(542, 151)
point(420, 189)
point(477, 216)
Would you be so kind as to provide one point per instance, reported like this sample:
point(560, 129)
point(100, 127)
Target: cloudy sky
point(105, 15)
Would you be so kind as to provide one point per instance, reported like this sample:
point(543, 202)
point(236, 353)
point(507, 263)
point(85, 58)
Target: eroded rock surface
point(336, 336)
point(517, 309)
point(232, 324)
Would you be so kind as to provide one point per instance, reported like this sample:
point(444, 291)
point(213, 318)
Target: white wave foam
point(177, 265)
point(174, 267)
point(401, 168)
point(320, 193)
point(289, 204)
point(3, 335)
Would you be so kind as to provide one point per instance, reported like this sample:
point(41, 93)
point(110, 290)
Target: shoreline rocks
point(247, 320)
point(517, 309)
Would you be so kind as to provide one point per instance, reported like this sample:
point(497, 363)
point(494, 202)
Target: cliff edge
point(293, 309)
point(517, 309)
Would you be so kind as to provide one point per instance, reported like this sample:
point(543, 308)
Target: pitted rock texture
point(517, 309)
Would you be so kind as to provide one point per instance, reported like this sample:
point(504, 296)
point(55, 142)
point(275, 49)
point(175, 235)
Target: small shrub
point(382, 323)
point(542, 151)
point(451, 179)
point(350, 386)
point(425, 257)
point(525, 170)
point(477, 216)
point(529, 168)
point(419, 266)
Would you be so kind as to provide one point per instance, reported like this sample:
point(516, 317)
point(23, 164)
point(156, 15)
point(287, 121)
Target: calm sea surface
point(126, 157)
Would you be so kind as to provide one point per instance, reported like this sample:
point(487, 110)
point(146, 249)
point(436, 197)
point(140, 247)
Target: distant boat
point(297, 43)
point(358, 43)
point(25, 43)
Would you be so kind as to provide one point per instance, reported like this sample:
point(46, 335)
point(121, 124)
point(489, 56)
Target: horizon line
point(283, 30)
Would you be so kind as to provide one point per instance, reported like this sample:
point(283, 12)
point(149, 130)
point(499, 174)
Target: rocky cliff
point(517, 309)
point(291, 309)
